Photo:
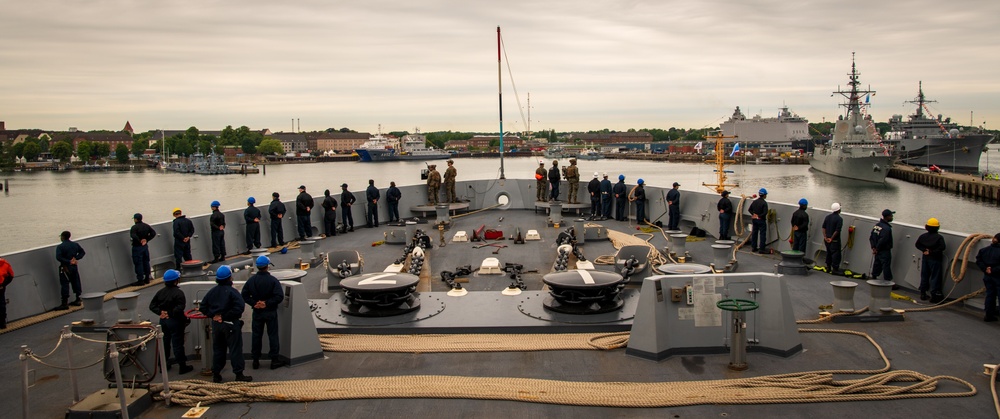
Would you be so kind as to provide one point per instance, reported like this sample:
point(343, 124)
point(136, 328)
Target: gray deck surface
point(953, 341)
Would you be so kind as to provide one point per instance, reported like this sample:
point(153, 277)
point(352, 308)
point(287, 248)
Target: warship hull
point(865, 168)
point(960, 154)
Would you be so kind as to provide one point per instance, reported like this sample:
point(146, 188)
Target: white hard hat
point(595, 174)
point(835, 207)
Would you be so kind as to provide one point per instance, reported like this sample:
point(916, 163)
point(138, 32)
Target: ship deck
point(952, 341)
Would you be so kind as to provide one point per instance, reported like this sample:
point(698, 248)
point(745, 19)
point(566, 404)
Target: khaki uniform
point(433, 186)
point(573, 178)
point(449, 183)
point(541, 183)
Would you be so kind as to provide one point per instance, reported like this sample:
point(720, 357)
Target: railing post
point(24, 381)
point(118, 380)
point(68, 337)
point(163, 364)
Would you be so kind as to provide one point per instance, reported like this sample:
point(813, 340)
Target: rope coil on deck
point(801, 387)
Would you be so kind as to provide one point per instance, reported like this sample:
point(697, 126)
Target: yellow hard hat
point(176, 210)
point(933, 222)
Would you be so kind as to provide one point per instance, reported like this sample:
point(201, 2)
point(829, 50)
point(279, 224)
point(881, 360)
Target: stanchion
point(68, 337)
point(118, 380)
point(163, 364)
point(25, 414)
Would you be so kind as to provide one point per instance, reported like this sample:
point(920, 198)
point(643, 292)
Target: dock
point(973, 186)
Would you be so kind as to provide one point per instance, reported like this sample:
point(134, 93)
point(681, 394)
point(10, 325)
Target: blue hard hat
point(803, 202)
point(251, 200)
point(284, 250)
point(171, 275)
point(621, 177)
point(215, 203)
point(762, 191)
point(640, 181)
point(263, 261)
point(224, 273)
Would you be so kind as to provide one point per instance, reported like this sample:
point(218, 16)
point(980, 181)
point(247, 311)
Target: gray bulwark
point(673, 319)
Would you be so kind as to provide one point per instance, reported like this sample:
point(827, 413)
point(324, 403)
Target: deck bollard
point(93, 308)
point(843, 296)
point(881, 292)
point(720, 253)
point(127, 303)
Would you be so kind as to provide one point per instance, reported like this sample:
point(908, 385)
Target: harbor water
point(39, 205)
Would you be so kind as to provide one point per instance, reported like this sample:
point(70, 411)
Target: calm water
point(42, 204)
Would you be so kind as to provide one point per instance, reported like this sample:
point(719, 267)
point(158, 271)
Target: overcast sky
point(432, 64)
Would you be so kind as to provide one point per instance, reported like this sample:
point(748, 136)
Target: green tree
point(182, 147)
point(121, 153)
point(139, 147)
point(192, 135)
point(102, 150)
point(204, 147)
point(18, 149)
point(248, 146)
point(61, 151)
point(84, 150)
point(270, 147)
point(31, 151)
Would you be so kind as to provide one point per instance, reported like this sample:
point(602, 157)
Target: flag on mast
point(698, 146)
point(735, 149)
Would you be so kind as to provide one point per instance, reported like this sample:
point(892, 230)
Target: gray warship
point(856, 150)
point(925, 140)
point(463, 310)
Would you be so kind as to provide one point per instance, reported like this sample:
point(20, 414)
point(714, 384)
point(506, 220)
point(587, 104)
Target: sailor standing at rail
point(881, 242)
point(621, 200)
point(433, 185)
point(168, 304)
point(217, 222)
point(392, 197)
point(224, 305)
point(832, 225)
point(932, 245)
point(449, 181)
point(252, 217)
point(554, 178)
point(372, 195)
point(540, 184)
point(573, 179)
point(68, 253)
point(347, 200)
point(183, 232)
point(800, 226)
point(140, 234)
point(640, 202)
point(277, 212)
point(303, 208)
point(674, 207)
point(329, 214)
point(758, 215)
point(725, 207)
point(594, 189)
point(606, 197)
point(988, 261)
point(262, 292)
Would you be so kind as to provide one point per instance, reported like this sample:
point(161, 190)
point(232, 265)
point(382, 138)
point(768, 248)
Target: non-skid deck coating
point(947, 342)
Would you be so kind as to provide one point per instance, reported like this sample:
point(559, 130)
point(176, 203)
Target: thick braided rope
point(803, 388)
point(800, 387)
point(450, 343)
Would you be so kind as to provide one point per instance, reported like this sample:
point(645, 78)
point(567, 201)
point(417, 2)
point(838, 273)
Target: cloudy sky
point(432, 64)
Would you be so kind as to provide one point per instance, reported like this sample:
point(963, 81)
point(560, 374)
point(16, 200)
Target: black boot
point(62, 306)
point(216, 378)
point(244, 378)
point(278, 363)
point(76, 302)
point(184, 369)
point(255, 364)
point(924, 296)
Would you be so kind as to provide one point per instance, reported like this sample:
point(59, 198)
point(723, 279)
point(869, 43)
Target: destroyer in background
point(923, 140)
point(856, 150)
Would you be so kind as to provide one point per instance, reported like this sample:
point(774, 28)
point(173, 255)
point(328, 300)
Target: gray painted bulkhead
point(108, 264)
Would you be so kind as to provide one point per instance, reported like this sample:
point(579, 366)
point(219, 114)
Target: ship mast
point(720, 161)
point(500, 98)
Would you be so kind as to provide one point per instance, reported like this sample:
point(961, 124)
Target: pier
point(960, 184)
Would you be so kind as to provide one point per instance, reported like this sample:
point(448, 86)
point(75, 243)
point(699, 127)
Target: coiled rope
point(801, 387)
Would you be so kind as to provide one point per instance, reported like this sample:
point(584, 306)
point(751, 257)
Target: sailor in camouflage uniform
point(573, 178)
point(433, 185)
point(540, 182)
point(449, 181)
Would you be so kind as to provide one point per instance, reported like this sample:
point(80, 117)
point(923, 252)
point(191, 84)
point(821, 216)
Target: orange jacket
point(6, 272)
